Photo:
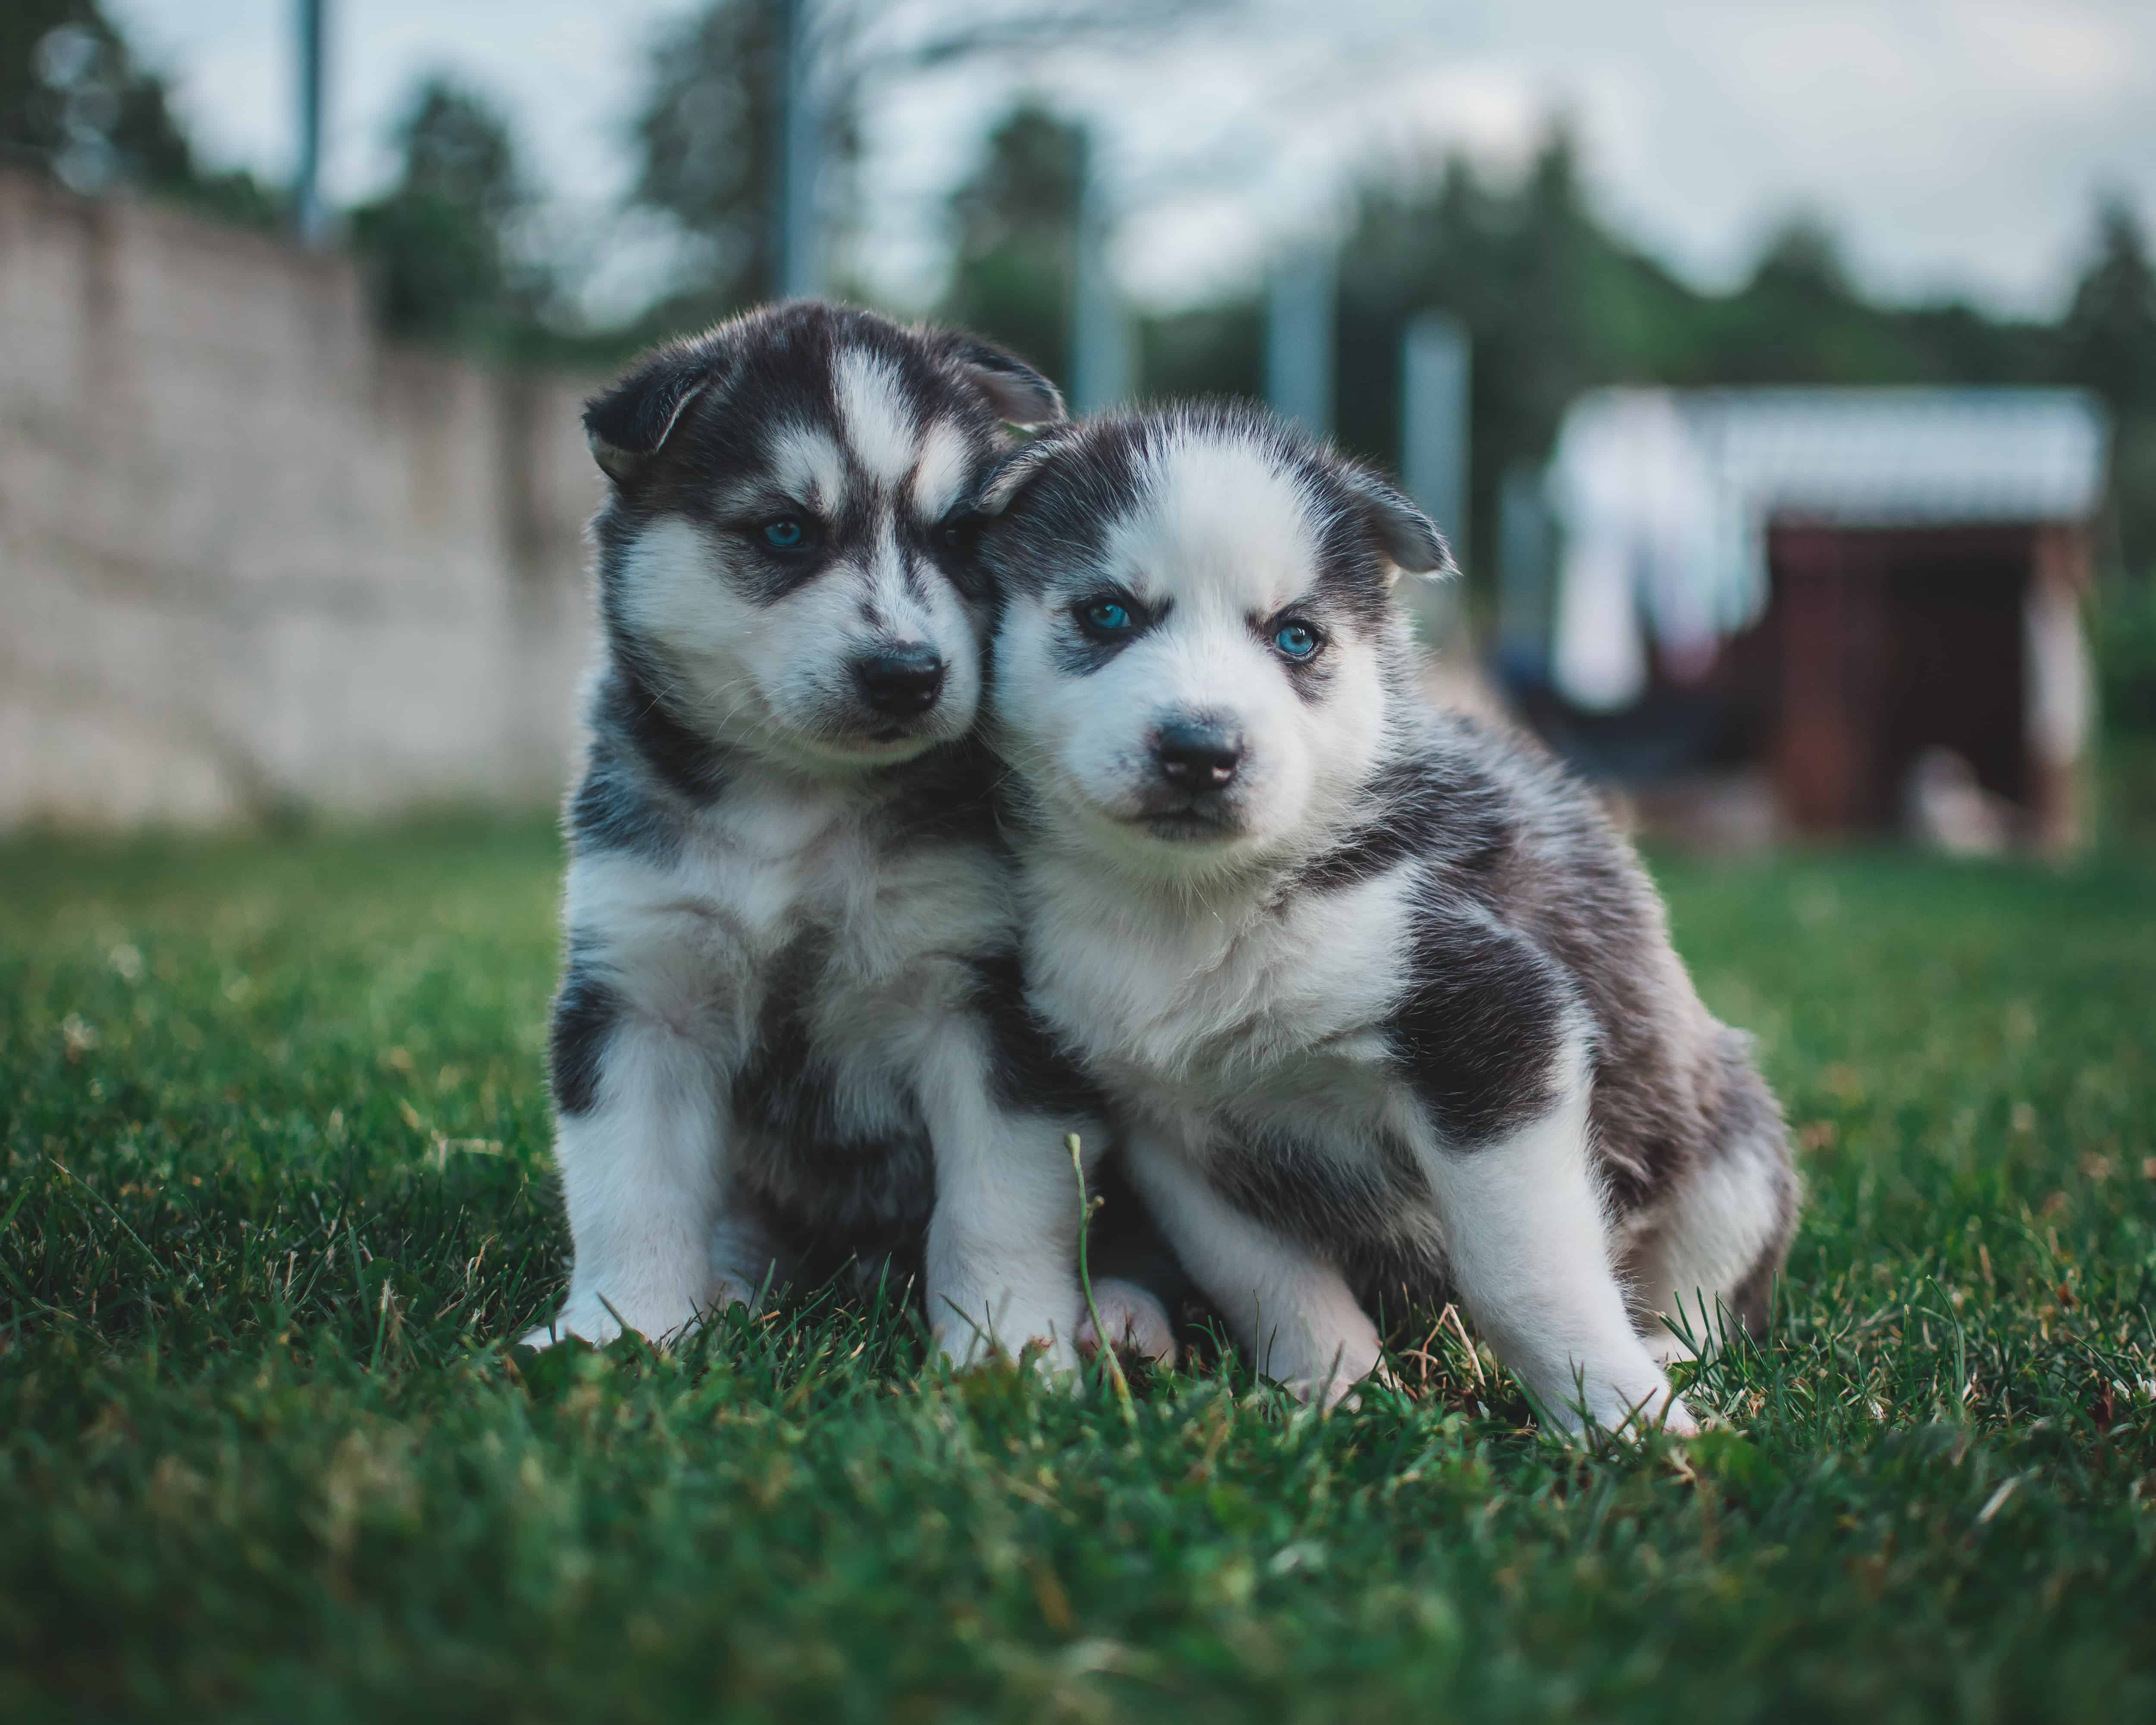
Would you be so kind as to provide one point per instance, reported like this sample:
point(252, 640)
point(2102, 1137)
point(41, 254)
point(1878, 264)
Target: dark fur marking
point(1417, 808)
point(1348, 1212)
point(1078, 653)
point(799, 1150)
point(612, 809)
point(1030, 1070)
point(1479, 1030)
point(687, 763)
point(945, 797)
point(586, 1010)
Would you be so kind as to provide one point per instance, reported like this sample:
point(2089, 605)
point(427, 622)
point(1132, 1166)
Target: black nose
point(901, 681)
point(1198, 755)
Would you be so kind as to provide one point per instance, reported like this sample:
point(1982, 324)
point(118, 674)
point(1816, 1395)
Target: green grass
point(272, 1172)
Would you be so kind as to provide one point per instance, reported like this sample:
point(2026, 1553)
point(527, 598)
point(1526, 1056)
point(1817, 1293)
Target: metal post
point(309, 216)
point(1100, 335)
point(797, 260)
point(1526, 557)
point(1435, 375)
point(1299, 318)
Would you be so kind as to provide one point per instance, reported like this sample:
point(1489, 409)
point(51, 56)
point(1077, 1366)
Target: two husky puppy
point(1385, 1009)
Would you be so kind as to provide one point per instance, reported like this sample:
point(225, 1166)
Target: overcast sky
point(1956, 144)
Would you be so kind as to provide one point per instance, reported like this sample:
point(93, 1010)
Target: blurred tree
point(1209, 350)
point(1015, 223)
point(707, 140)
point(74, 104)
point(707, 130)
point(438, 246)
point(705, 137)
point(1555, 303)
point(2108, 338)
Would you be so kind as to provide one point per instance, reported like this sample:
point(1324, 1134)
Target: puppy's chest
point(815, 960)
point(1212, 1024)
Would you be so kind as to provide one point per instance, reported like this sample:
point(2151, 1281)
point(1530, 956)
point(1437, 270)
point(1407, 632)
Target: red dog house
point(1869, 598)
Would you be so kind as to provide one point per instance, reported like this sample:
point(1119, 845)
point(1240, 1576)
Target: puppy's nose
point(901, 680)
point(1198, 755)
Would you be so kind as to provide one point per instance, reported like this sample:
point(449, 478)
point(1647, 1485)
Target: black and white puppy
point(1385, 1008)
point(787, 1035)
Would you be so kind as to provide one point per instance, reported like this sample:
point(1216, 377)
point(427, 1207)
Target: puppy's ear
point(629, 422)
point(1020, 469)
point(1408, 538)
point(1019, 394)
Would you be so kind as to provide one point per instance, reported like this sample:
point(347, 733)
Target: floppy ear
point(1019, 394)
point(1406, 536)
point(1019, 470)
point(629, 422)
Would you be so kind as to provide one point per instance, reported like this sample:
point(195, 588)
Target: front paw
point(1628, 1415)
point(1136, 1322)
point(1045, 1335)
point(589, 1317)
point(589, 1322)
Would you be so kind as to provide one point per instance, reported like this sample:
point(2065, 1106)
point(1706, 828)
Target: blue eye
point(785, 534)
point(1298, 640)
point(1108, 617)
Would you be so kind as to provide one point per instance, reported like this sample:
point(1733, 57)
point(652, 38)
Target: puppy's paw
point(589, 1318)
point(1136, 1322)
point(1052, 1352)
point(1629, 1419)
point(589, 1322)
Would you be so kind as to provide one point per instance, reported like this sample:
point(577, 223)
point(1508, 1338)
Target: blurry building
point(1832, 611)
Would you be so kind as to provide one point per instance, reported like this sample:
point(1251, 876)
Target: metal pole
point(797, 263)
point(309, 216)
point(1100, 335)
point(1299, 340)
point(1435, 366)
point(1435, 373)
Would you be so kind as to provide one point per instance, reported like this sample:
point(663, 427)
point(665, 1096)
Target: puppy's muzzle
point(902, 681)
point(1198, 755)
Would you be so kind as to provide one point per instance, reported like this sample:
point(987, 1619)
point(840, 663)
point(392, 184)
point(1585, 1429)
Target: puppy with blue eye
point(788, 1035)
point(1386, 1012)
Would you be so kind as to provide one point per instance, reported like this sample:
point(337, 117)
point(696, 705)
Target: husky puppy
point(1386, 1009)
point(788, 1034)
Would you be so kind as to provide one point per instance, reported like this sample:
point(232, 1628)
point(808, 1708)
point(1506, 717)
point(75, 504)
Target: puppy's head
point(779, 559)
point(1197, 633)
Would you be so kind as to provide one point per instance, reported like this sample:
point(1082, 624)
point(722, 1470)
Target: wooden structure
point(1881, 644)
point(1868, 599)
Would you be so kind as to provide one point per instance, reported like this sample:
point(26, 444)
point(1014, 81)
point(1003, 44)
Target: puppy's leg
point(747, 1259)
point(1002, 1269)
point(1133, 1318)
point(643, 1176)
point(1529, 1250)
point(1291, 1309)
point(1706, 1258)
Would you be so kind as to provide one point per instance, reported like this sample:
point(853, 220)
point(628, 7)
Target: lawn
point(273, 1188)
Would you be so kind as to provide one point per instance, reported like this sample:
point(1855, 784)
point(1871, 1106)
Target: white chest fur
point(1207, 1017)
point(696, 939)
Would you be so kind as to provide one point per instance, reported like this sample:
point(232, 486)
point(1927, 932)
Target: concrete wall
point(253, 557)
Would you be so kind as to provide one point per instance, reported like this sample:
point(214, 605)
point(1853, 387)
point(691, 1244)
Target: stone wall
point(253, 557)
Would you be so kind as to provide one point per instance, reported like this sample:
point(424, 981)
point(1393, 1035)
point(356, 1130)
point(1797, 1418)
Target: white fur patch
point(878, 420)
point(1221, 526)
point(810, 467)
point(945, 459)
